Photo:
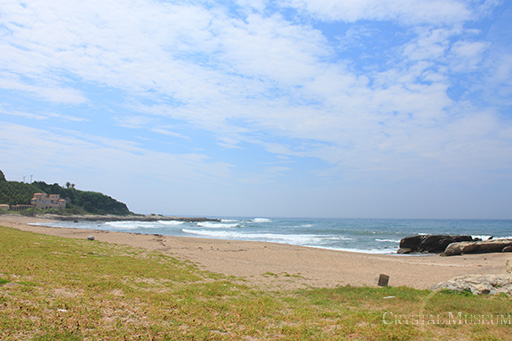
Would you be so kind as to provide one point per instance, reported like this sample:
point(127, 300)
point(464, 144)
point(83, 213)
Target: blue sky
point(369, 108)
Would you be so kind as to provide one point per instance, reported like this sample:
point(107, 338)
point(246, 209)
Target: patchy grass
point(57, 288)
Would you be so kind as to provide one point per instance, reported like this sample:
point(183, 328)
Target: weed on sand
point(57, 288)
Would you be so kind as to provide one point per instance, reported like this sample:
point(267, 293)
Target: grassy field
point(56, 288)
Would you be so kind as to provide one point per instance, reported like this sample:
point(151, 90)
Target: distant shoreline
point(110, 217)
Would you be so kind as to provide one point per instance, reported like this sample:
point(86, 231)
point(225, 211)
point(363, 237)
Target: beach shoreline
point(282, 266)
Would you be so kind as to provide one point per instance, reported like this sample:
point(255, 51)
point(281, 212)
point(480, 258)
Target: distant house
point(4, 207)
point(43, 201)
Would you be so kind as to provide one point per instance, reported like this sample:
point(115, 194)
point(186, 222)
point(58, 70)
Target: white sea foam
point(300, 239)
point(261, 220)
point(131, 225)
point(217, 225)
point(334, 237)
point(170, 222)
point(487, 237)
point(388, 240)
point(481, 237)
point(373, 251)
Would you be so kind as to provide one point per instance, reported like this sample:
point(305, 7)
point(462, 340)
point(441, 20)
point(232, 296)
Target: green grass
point(65, 289)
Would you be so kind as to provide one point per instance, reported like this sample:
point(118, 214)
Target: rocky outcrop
point(429, 243)
point(108, 217)
point(479, 284)
point(486, 246)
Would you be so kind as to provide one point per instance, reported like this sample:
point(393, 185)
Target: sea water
point(380, 236)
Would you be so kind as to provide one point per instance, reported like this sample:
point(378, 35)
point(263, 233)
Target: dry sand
point(280, 266)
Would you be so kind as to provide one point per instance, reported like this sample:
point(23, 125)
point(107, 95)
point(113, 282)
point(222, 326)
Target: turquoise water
point(358, 235)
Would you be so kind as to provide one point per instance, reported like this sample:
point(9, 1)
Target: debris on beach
point(382, 280)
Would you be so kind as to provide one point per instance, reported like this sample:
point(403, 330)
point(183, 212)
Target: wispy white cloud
point(168, 131)
point(50, 92)
point(78, 152)
point(411, 12)
point(466, 56)
point(41, 115)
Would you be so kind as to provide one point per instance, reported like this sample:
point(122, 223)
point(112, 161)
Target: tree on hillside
point(2, 177)
point(12, 192)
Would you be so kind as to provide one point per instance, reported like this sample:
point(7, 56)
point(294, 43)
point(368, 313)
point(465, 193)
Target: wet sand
point(281, 266)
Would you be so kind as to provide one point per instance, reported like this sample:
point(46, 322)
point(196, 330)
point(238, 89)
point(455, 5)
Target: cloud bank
point(306, 102)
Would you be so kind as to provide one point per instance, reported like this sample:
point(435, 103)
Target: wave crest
point(261, 220)
point(217, 225)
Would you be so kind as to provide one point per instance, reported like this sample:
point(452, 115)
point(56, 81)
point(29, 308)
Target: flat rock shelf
point(125, 218)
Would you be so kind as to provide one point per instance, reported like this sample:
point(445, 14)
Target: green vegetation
point(57, 288)
point(12, 192)
point(78, 202)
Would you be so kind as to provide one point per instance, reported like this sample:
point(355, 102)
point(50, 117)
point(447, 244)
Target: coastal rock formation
point(109, 217)
point(429, 243)
point(479, 284)
point(486, 246)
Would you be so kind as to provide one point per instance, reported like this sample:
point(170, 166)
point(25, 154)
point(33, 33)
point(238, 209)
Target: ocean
point(380, 236)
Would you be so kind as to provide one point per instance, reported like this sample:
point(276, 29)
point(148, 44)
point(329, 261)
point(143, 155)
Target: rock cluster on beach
point(479, 284)
point(429, 243)
point(448, 245)
point(486, 246)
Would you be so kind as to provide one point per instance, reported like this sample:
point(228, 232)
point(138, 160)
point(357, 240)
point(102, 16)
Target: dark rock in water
point(486, 246)
point(429, 243)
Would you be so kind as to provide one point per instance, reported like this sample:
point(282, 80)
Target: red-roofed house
point(43, 201)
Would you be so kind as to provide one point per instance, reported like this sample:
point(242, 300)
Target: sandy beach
point(280, 266)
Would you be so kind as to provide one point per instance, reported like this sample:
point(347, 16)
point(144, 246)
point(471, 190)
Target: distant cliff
point(77, 201)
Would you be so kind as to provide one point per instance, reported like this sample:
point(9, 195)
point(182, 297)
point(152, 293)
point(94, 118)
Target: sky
point(286, 108)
